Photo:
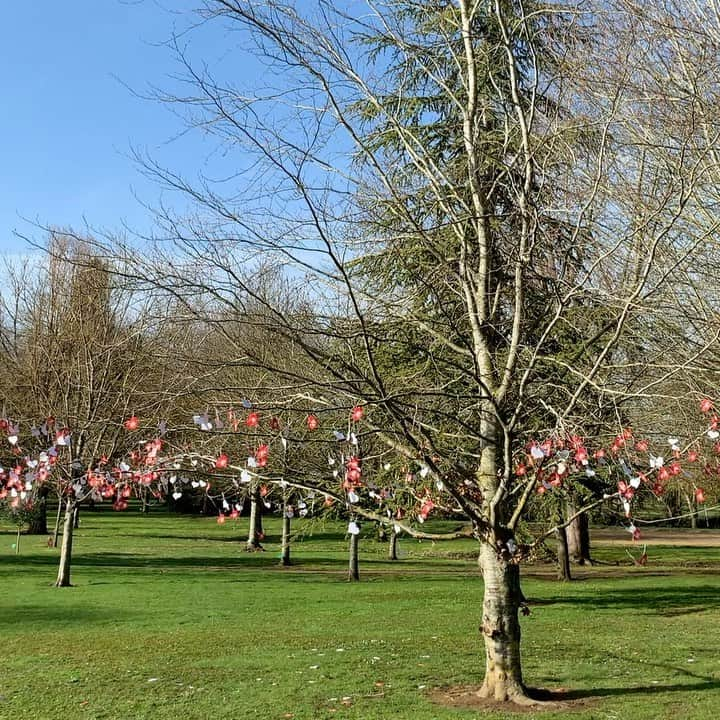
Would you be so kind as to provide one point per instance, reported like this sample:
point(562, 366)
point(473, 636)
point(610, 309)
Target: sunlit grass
point(169, 618)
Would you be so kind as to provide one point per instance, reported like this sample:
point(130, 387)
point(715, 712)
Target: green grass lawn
point(169, 618)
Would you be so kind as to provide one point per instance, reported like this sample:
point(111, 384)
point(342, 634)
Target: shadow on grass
point(671, 601)
point(640, 690)
point(254, 560)
point(702, 682)
point(47, 615)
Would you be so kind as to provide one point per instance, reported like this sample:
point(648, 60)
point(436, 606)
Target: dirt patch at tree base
point(465, 697)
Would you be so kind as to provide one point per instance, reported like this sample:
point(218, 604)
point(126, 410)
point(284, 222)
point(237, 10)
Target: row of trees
point(490, 225)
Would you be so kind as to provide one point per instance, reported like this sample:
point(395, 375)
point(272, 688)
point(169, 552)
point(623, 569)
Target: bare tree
point(85, 357)
point(478, 210)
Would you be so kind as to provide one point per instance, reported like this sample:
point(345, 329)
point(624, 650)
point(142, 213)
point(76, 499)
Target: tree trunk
point(500, 628)
point(392, 549)
point(76, 517)
point(353, 557)
point(693, 512)
point(56, 531)
point(63, 578)
point(285, 551)
point(255, 531)
point(38, 522)
point(503, 598)
point(563, 556)
point(17, 541)
point(578, 537)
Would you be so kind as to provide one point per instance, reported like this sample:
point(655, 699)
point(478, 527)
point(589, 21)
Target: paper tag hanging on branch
point(536, 452)
point(656, 462)
point(202, 421)
point(353, 528)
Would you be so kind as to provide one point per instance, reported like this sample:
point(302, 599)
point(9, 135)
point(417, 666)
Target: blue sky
point(68, 121)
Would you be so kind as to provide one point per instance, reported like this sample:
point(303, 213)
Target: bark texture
point(563, 555)
point(500, 628)
point(255, 531)
point(63, 578)
point(578, 537)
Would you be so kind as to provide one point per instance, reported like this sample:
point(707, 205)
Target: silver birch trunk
point(63, 578)
point(500, 628)
point(502, 598)
point(255, 529)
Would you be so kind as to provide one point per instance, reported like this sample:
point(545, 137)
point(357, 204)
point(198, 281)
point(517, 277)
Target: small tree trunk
point(285, 551)
point(56, 531)
point(392, 548)
point(563, 556)
point(500, 628)
point(255, 530)
point(38, 523)
point(76, 517)
point(354, 558)
point(693, 512)
point(578, 537)
point(63, 578)
point(17, 541)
